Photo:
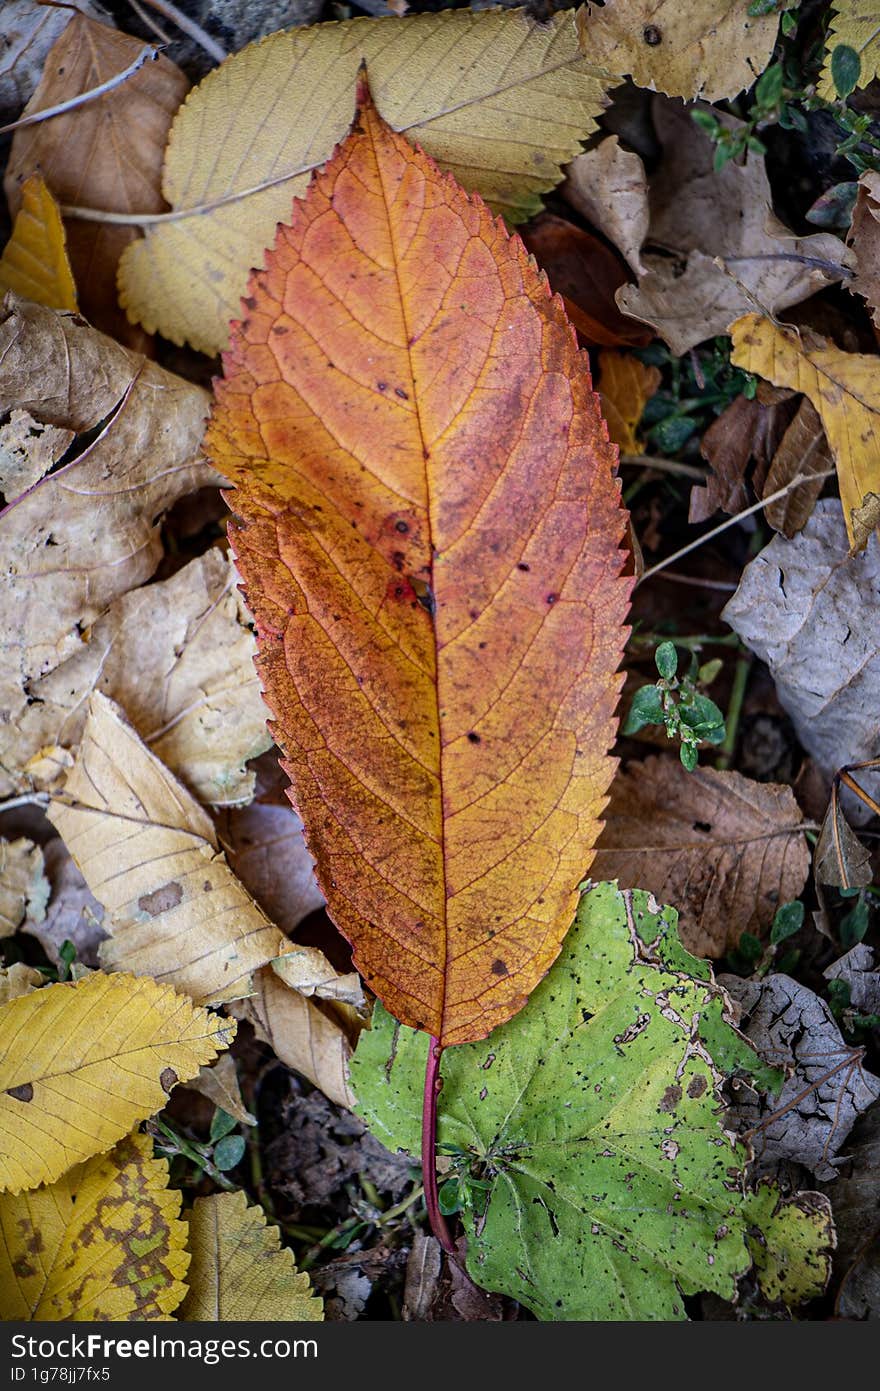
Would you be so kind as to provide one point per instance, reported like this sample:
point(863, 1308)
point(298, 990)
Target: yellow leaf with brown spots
point(239, 1269)
point(103, 1243)
point(81, 1064)
point(34, 263)
point(845, 390)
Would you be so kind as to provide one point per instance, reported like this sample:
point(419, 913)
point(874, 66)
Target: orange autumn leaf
point(625, 387)
point(428, 529)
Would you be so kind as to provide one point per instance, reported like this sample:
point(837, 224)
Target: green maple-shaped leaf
point(606, 1185)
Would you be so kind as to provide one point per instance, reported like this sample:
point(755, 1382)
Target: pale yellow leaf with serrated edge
point(704, 48)
point(239, 1269)
point(149, 853)
point(103, 1243)
point(24, 888)
point(500, 100)
point(845, 390)
point(81, 1064)
point(855, 23)
point(34, 261)
point(309, 1037)
point(18, 980)
point(178, 657)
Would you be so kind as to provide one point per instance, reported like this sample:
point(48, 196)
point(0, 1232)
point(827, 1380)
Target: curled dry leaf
point(178, 657)
point(454, 668)
point(34, 262)
point(706, 48)
point(724, 850)
point(745, 431)
point(853, 23)
point(102, 1243)
point(104, 154)
point(73, 914)
point(608, 186)
point(625, 387)
point(239, 1271)
point(840, 858)
point(809, 610)
point(18, 980)
point(81, 1064)
point(219, 1083)
point(497, 98)
point(865, 239)
point(826, 1089)
point(307, 1037)
point(586, 273)
point(90, 531)
point(803, 450)
point(701, 214)
point(307, 970)
point(845, 390)
point(24, 889)
point(149, 854)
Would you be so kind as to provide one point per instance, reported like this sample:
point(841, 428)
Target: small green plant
point(223, 1151)
point(695, 390)
point(687, 714)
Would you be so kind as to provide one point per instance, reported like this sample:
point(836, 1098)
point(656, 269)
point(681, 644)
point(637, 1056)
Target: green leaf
point(689, 756)
point(666, 660)
point(702, 716)
point(221, 1124)
point(854, 925)
point(229, 1151)
point(646, 708)
point(768, 88)
point(595, 1115)
point(706, 121)
point(789, 919)
point(846, 69)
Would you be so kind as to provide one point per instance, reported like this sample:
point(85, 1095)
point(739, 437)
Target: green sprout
point(687, 714)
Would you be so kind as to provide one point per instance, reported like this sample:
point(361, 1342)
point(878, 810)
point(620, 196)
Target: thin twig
point(150, 22)
point(665, 465)
point(698, 581)
point(27, 799)
point(731, 521)
point(147, 54)
point(195, 31)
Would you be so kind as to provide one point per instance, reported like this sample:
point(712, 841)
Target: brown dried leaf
point(865, 241)
point(24, 889)
point(149, 853)
point(73, 914)
point(839, 858)
point(727, 448)
point(104, 154)
point(18, 980)
point(303, 1036)
point(29, 448)
point(702, 213)
point(218, 1081)
point(178, 657)
point(307, 970)
point(607, 186)
point(803, 449)
point(723, 850)
point(90, 531)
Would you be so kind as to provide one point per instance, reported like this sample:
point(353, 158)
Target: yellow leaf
point(856, 24)
point(845, 390)
point(81, 1064)
point(498, 99)
point(239, 1270)
point(625, 385)
point(34, 263)
point(704, 48)
point(149, 853)
point(104, 1242)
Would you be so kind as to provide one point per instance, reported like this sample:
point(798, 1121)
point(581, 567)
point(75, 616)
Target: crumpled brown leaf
point(865, 240)
point(809, 1119)
point(723, 850)
point(90, 531)
point(73, 913)
point(803, 449)
point(24, 889)
point(105, 154)
point(708, 48)
point(218, 1081)
point(149, 854)
point(608, 186)
point(178, 657)
point(745, 431)
point(700, 214)
point(809, 610)
point(304, 1036)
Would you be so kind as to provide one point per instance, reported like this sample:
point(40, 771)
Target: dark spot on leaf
point(161, 900)
point(551, 598)
point(703, 826)
point(280, 329)
point(167, 1079)
point(401, 526)
point(499, 967)
point(522, 566)
point(474, 738)
point(696, 1086)
point(399, 391)
point(652, 35)
point(23, 1093)
point(671, 1098)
